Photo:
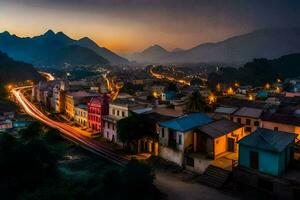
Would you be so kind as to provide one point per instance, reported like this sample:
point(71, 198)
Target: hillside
point(266, 43)
point(15, 71)
point(259, 71)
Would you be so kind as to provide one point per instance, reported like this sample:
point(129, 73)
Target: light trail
point(68, 131)
point(47, 75)
point(113, 87)
point(170, 78)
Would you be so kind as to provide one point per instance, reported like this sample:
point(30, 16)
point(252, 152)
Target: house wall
point(81, 116)
point(163, 138)
point(187, 139)
point(268, 161)
point(200, 165)
point(244, 120)
point(282, 127)
point(172, 155)
point(110, 131)
point(220, 145)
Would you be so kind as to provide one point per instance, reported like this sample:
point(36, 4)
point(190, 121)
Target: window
point(118, 112)
point(239, 120)
point(162, 132)
point(123, 114)
point(276, 129)
point(180, 139)
point(231, 118)
point(256, 123)
point(113, 111)
point(248, 129)
point(248, 121)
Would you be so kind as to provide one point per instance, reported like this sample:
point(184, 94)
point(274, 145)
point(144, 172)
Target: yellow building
point(75, 98)
point(81, 115)
point(195, 141)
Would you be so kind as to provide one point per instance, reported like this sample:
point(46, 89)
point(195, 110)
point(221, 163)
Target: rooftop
point(249, 112)
point(187, 122)
point(281, 118)
point(225, 110)
point(267, 139)
point(82, 93)
point(219, 128)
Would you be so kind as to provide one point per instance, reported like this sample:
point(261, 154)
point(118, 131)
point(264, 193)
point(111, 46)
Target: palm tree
point(196, 102)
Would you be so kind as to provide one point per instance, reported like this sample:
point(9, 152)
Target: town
point(149, 100)
point(227, 133)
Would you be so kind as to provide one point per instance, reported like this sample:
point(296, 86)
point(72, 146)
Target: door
point(254, 162)
point(201, 143)
point(230, 144)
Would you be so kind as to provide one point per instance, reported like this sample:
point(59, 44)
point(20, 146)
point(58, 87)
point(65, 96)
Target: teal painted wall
point(269, 162)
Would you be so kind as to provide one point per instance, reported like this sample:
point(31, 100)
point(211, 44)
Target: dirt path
point(177, 189)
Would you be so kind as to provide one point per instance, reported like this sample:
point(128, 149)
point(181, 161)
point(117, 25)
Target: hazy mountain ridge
point(267, 43)
point(44, 50)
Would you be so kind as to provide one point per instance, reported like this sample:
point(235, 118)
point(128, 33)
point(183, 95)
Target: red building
point(97, 107)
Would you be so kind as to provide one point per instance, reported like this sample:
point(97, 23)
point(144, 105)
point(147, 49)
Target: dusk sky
point(131, 25)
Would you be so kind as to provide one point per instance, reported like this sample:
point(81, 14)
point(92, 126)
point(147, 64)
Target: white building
point(118, 109)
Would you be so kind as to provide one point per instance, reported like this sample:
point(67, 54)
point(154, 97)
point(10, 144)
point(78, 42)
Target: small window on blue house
point(179, 139)
point(162, 132)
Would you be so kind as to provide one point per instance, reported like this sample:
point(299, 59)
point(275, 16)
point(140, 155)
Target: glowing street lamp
point(212, 99)
point(218, 87)
point(250, 97)
point(267, 86)
point(278, 90)
point(230, 91)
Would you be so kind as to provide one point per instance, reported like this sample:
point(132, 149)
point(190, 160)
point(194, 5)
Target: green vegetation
point(197, 103)
point(34, 167)
point(130, 88)
point(259, 71)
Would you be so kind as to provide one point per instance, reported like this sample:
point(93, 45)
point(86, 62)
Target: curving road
point(69, 132)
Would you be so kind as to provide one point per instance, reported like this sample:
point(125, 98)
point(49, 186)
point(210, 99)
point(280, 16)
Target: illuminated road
point(67, 131)
point(170, 78)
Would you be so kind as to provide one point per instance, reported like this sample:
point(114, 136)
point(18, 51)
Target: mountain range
point(54, 49)
point(267, 43)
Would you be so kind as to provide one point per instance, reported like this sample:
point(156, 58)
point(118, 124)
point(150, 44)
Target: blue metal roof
point(187, 122)
point(267, 139)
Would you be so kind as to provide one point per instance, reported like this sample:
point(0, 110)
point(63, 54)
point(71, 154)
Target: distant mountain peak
point(5, 33)
point(155, 48)
point(49, 33)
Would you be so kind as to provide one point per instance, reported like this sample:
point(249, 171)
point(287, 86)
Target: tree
point(133, 128)
point(33, 131)
point(196, 103)
point(139, 179)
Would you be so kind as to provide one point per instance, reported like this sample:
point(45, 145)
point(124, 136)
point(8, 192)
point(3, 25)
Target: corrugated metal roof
point(225, 110)
point(249, 112)
point(187, 122)
point(219, 128)
point(268, 139)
